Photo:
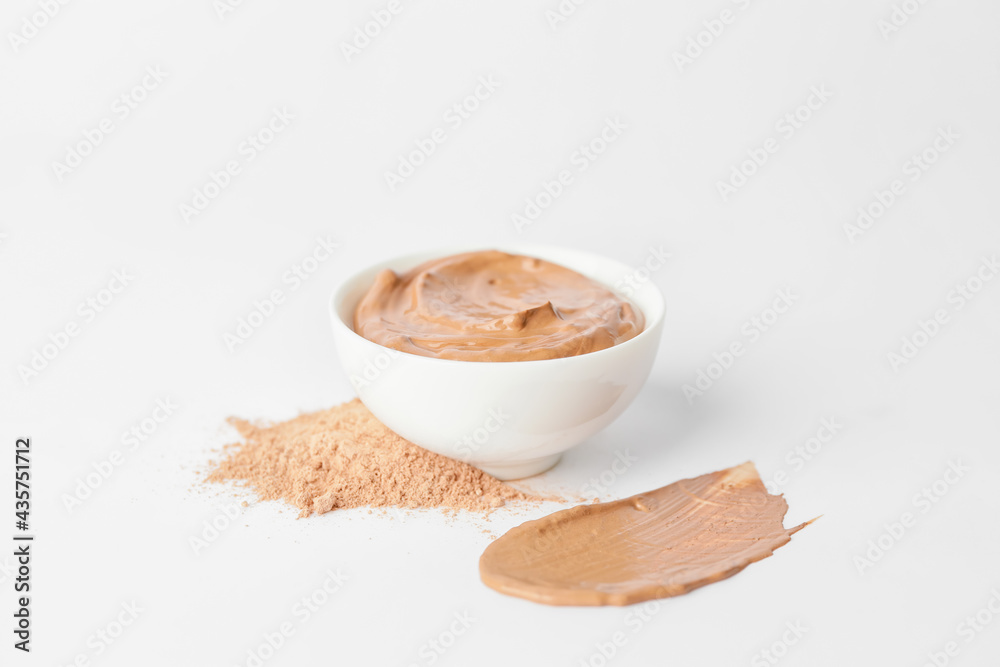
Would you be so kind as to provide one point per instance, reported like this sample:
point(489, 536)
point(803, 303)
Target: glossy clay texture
point(658, 544)
point(549, 405)
point(494, 306)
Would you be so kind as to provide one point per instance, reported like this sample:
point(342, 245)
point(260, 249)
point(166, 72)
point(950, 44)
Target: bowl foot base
point(519, 469)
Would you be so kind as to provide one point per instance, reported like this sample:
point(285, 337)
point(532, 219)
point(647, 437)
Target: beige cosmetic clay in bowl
point(509, 418)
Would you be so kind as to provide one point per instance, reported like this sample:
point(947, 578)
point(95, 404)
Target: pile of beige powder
point(344, 457)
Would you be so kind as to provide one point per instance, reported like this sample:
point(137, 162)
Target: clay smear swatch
point(657, 544)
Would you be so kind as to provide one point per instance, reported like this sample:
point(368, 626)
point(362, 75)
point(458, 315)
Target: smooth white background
point(655, 186)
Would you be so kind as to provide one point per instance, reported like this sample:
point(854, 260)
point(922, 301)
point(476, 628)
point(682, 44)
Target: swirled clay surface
point(494, 306)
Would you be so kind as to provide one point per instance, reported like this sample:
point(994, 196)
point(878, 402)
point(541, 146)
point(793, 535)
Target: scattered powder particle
point(344, 457)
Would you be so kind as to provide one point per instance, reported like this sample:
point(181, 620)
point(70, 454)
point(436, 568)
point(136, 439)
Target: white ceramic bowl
point(511, 419)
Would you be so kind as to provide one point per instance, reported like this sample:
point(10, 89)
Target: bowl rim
point(522, 249)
